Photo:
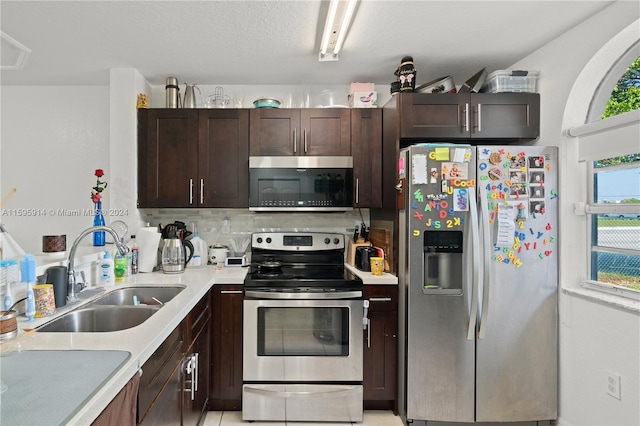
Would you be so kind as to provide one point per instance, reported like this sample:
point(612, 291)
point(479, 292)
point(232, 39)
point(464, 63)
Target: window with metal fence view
point(615, 229)
point(615, 255)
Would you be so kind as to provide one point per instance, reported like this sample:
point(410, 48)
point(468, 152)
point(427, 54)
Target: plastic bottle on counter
point(120, 265)
point(106, 270)
point(134, 255)
point(200, 251)
point(28, 275)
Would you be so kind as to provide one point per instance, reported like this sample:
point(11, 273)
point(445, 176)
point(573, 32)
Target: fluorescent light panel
point(335, 28)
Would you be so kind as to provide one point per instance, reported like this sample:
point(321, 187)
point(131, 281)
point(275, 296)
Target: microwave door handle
point(475, 276)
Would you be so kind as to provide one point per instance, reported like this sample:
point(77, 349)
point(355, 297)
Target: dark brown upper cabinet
point(307, 131)
point(475, 116)
point(193, 158)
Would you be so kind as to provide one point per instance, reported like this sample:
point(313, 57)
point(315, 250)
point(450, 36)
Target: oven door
point(302, 340)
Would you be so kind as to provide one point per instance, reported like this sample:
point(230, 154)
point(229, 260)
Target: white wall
point(53, 139)
point(596, 337)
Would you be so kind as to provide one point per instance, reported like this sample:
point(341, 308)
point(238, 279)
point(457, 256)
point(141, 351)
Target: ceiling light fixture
point(335, 28)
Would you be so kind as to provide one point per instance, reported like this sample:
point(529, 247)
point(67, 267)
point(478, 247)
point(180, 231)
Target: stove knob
point(327, 240)
point(336, 241)
point(259, 240)
point(268, 240)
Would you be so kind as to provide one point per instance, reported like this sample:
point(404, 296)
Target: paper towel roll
point(148, 240)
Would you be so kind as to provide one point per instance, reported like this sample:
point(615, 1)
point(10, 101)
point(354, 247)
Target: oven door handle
point(302, 295)
point(300, 394)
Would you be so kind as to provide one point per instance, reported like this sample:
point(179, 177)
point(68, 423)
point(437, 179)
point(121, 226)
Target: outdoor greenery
point(625, 96)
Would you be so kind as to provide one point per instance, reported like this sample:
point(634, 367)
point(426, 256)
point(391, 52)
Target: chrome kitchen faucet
point(71, 278)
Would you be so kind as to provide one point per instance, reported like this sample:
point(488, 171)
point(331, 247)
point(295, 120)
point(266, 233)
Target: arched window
point(610, 144)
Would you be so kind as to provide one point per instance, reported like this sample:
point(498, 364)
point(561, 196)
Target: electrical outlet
point(613, 385)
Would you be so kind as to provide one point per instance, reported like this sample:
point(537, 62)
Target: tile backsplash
point(212, 229)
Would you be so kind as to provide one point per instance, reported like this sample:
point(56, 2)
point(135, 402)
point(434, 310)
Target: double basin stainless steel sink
point(114, 311)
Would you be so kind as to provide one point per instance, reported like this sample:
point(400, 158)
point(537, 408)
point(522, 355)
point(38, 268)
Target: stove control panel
point(297, 241)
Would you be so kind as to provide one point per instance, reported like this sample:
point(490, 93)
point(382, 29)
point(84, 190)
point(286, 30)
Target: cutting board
point(381, 237)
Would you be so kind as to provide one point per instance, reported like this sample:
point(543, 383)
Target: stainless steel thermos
point(172, 91)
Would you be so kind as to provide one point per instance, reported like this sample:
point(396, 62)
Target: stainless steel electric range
point(303, 323)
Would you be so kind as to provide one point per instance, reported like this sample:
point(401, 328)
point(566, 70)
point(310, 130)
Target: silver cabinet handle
point(305, 140)
point(230, 291)
point(368, 333)
point(295, 140)
point(357, 191)
point(195, 377)
point(380, 299)
point(189, 368)
point(479, 118)
point(201, 191)
point(190, 191)
point(466, 117)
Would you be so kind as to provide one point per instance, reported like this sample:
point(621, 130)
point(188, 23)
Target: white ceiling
point(275, 42)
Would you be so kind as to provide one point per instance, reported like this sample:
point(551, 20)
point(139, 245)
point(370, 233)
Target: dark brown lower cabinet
point(174, 384)
point(381, 348)
point(226, 348)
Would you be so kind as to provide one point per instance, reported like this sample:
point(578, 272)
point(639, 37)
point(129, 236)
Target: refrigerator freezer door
point(440, 365)
point(517, 348)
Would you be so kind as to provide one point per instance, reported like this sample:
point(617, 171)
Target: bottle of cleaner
point(105, 270)
point(134, 255)
point(200, 249)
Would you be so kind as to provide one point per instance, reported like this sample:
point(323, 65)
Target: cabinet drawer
point(382, 298)
point(159, 369)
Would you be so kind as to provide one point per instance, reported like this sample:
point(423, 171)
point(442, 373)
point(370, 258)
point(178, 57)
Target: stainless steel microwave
point(301, 183)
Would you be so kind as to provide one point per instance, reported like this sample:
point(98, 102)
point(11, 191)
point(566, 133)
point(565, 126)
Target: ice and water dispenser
point(442, 263)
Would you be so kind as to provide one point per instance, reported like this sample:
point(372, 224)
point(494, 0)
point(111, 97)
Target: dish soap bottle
point(105, 270)
point(120, 264)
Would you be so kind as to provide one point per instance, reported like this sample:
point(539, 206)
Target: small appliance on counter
point(236, 261)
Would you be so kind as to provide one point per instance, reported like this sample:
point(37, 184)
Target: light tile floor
point(233, 418)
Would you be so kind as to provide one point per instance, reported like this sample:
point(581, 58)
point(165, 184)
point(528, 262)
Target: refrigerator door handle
point(486, 256)
point(475, 279)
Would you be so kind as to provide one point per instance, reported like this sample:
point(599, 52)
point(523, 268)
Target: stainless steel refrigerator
point(478, 280)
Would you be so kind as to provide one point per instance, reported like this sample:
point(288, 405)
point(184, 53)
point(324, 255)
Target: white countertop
point(143, 340)
point(140, 341)
point(368, 278)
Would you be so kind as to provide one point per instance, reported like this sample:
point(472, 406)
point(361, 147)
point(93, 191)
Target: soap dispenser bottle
point(105, 270)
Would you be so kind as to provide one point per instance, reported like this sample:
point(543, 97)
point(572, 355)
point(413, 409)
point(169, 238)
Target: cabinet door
point(381, 348)
point(223, 158)
point(325, 131)
point(434, 115)
point(167, 162)
point(226, 344)
point(505, 115)
point(195, 379)
point(158, 391)
point(274, 131)
point(366, 145)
